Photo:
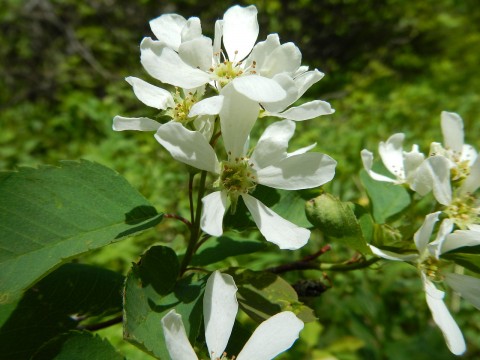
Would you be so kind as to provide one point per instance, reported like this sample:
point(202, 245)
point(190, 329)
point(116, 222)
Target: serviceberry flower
point(434, 270)
point(272, 337)
point(269, 164)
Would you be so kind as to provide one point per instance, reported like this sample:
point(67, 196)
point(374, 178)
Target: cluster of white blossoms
point(224, 86)
point(272, 337)
point(452, 172)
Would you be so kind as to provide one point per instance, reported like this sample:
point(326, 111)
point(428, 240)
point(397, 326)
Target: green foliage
point(56, 304)
point(387, 199)
point(75, 345)
point(53, 213)
point(151, 291)
point(390, 66)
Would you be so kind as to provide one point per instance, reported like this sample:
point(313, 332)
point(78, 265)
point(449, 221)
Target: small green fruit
point(332, 216)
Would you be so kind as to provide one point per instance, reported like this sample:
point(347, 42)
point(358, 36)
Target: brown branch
point(102, 325)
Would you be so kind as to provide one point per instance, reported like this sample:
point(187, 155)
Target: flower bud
point(332, 216)
point(386, 235)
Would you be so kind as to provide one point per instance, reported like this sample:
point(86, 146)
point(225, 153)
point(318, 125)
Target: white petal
point(367, 159)
point(274, 228)
point(220, 308)
point(472, 182)
point(167, 28)
point(191, 30)
point(467, 286)
point(307, 79)
point(309, 110)
point(412, 160)
point(259, 89)
point(205, 124)
point(435, 247)
point(468, 154)
point(261, 51)
point(272, 337)
point(422, 235)
point(151, 95)
point(272, 145)
point(214, 207)
point(461, 238)
point(189, 147)
point(237, 117)
point(303, 171)
point(240, 31)
point(197, 53)
point(217, 40)
point(302, 150)
point(209, 106)
point(452, 130)
point(391, 153)
point(285, 58)
point(444, 320)
point(434, 174)
point(288, 84)
point(121, 123)
point(389, 255)
point(176, 338)
point(165, 64)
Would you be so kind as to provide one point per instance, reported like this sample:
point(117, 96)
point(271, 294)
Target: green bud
point(332, 216)
point(386, 235)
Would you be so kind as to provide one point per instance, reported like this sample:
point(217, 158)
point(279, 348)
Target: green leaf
point(50, 214)
point(387, 199)
point(292, 207)
point(151, 291)
point(46, 309)
point(262, 295)
point(219, 249)
point(468, 261)
point(76, 345)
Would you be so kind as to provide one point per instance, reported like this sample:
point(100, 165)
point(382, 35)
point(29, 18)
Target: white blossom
point(401, 164)
point(269, 164)
point(431, 269)
point(272, 337)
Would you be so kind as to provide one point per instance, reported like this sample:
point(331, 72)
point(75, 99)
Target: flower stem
point(309, 265)
point(195, 228)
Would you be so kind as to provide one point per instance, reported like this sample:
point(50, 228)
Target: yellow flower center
point(182, 107)
point(463, 212)
point(236, 178)
point(431, 267)
point(226, 71)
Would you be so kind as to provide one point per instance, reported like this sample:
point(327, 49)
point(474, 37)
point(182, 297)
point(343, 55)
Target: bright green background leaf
point(51, 213)
point(387, 199)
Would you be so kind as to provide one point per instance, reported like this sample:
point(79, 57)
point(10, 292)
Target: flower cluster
point(220, 307)
point(452, 172)
point(221, 88)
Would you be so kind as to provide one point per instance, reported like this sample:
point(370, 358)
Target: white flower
point(429, 264)
point(454, 162)
point(177, 106)
point(183, 57)
point(269, 164)
point(401, 164)
point(272, 337)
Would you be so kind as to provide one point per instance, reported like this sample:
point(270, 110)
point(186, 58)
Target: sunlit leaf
point(50, 214)
point(151, 291)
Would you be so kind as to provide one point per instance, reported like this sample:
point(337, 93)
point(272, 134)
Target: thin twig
point(102, 325)
point(178, 217)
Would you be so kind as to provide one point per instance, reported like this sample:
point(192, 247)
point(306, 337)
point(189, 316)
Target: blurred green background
point(391, 66)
